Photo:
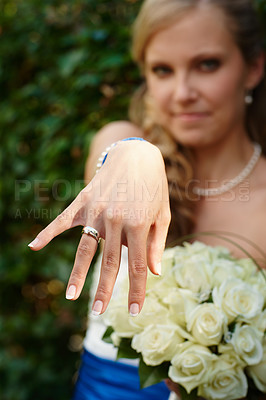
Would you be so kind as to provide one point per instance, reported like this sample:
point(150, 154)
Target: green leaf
point(210, 299)
point(68, 62)
point(231, 327)
point(111, 61)
point(90, 80)
point(107, 335)
point(149, 375)
point(253, 392)
point(188, 396)
point(125, 350)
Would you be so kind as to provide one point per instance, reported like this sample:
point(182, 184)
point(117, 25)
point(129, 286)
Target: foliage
point(65, 70)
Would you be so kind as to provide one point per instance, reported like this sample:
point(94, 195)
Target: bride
point(201, 114)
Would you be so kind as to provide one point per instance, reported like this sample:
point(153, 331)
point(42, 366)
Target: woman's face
point(197, 78)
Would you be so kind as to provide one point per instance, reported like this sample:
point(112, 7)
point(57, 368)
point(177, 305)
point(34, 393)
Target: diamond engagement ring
point(91, 232)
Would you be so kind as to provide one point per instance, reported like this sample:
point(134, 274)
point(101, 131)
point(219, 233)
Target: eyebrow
point(204, 54)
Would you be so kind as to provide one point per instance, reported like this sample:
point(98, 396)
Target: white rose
point(237, 298)
point(118, 318)
point(168, 259)
point(157, 343)
point(207, 324)
point(226, 381)
point(248, 268)
point(251, 274)
point(258, 372)
point(257, 280)
point(179, 302)
point(209, 252)
point(223, 269)
point(247, 343)
point(152, 281)
point(259, 322)
point(193, 273)
point(191, 365)
point(153, 312)
point(155, 282)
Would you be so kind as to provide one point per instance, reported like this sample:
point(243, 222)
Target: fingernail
point(33, 243)
point(134, 309)
point(71, 291)
point(158, 269)
point(97, 308)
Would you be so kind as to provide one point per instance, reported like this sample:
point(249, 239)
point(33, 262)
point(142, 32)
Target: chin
point(193, 140)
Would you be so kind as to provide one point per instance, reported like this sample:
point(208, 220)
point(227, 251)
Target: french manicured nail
point(71, 291)
point(33, 243)
point(159, 268)
point(97, 308)
point(134, 309)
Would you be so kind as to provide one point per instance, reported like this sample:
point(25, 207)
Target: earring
point(249, 98)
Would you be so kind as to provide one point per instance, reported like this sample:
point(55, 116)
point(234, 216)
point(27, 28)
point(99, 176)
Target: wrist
point(104, 154)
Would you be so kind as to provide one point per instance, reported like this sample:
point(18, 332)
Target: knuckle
point(98, 205)
point(137, 224)
point(110, 261)
point(114, 215)
point(61, 218)
point(84, 196)
point(97, 208)
point(138, 268)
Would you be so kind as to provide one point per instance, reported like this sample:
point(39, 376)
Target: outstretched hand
point(127, 202)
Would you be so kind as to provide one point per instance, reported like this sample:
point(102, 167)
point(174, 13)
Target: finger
point(137, 264)
point(109, 270)
point(61, 223)
point(156, 242)
point(172, 386)
point(84, 255)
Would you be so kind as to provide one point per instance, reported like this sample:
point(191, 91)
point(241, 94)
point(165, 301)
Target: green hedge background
point(65, 71)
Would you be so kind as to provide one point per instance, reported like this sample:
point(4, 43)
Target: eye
point(209, 65)
point(161, 70)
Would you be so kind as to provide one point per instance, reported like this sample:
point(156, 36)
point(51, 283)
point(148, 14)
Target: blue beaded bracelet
point(103, 156)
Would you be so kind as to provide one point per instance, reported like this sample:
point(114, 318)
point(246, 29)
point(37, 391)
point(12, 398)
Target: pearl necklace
point(233, 182)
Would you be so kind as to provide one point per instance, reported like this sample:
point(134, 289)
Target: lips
point(190, 116)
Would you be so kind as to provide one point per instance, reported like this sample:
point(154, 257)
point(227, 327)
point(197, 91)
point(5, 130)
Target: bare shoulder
point(115, 131)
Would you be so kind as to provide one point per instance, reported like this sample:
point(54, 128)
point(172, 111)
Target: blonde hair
point(154, 16)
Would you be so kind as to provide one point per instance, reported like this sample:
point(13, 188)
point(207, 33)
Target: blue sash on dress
point(101, 379)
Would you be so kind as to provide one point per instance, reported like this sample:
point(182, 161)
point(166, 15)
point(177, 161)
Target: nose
point(184, 90)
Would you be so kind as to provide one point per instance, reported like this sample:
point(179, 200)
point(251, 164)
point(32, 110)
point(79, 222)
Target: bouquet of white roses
point(202, 324)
